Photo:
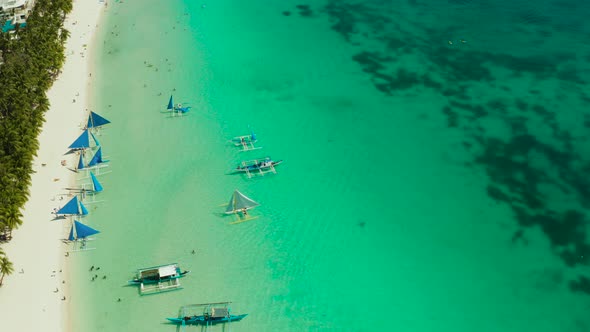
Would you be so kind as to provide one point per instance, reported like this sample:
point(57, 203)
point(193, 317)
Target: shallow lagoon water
point(434, 174)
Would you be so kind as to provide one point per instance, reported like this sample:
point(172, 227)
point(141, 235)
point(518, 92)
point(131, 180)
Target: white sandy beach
point(31, 298)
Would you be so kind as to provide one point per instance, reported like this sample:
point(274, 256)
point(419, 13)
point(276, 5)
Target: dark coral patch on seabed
point(305, 10)
point(521, 166)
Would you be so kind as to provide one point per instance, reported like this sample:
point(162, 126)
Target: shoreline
point(41, 277)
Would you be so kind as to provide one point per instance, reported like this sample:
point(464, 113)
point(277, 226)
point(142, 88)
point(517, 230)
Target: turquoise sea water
point(435, 154)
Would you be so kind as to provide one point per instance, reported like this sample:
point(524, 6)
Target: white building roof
point(9, 4)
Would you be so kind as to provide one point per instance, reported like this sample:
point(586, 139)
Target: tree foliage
point(6, 268)
point(32, 59)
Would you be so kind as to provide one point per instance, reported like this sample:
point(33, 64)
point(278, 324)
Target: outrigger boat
point(177, 109)
point(86, 142)
point(96, 163)
point(238, 205)
point(73, 207)
point(79, 235)
point(206, 314)
point(158, 278)
point(259, 166)
point(95, 122)
point(246, 142)
point(94, 188)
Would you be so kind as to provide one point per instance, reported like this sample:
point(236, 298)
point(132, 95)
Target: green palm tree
point(6, 268)
point(13, 219)
point(31, 62)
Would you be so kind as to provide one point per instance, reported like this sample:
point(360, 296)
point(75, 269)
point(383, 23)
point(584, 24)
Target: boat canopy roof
point(219, 312)
point(239, 201)
point(167, 271)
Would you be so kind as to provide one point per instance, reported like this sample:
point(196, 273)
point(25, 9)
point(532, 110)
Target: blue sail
point(95, 120)
point(81, 161)
point(82, 142)
point(81, 231)
point(97, 186)
point(72, 236)
point(97, 158)
point(170, 104)
point(83, 209)
point(71, 207)
point(95, 139)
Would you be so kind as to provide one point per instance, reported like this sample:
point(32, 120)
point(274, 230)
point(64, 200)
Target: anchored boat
point(95, 122)
point(177, 109)
point(158, 278)
point(73, 207)
point(206, 314)
point(238, 205)
point(246, 142)
point(80, 235)
point(259, 166)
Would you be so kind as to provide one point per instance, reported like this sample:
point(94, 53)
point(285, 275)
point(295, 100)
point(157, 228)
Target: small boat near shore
point(258, 166)
point(79, 236)
point(177, 109)
point(158, 278)
point(238, 205)
point(206, 314)
point(246, 142)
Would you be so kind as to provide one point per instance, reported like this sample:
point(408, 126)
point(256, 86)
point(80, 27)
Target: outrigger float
point(259, 166)
point(206, 314)
point(158, 279)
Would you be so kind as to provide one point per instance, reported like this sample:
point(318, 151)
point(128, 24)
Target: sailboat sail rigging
point(79, 235)
point(176, 109)
point(97, 158)
point(73, 207)
point(81, 231)
point(96, 186)
point(240, 202)
point(170, 104)
point(95, 121)
point(83, 141)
